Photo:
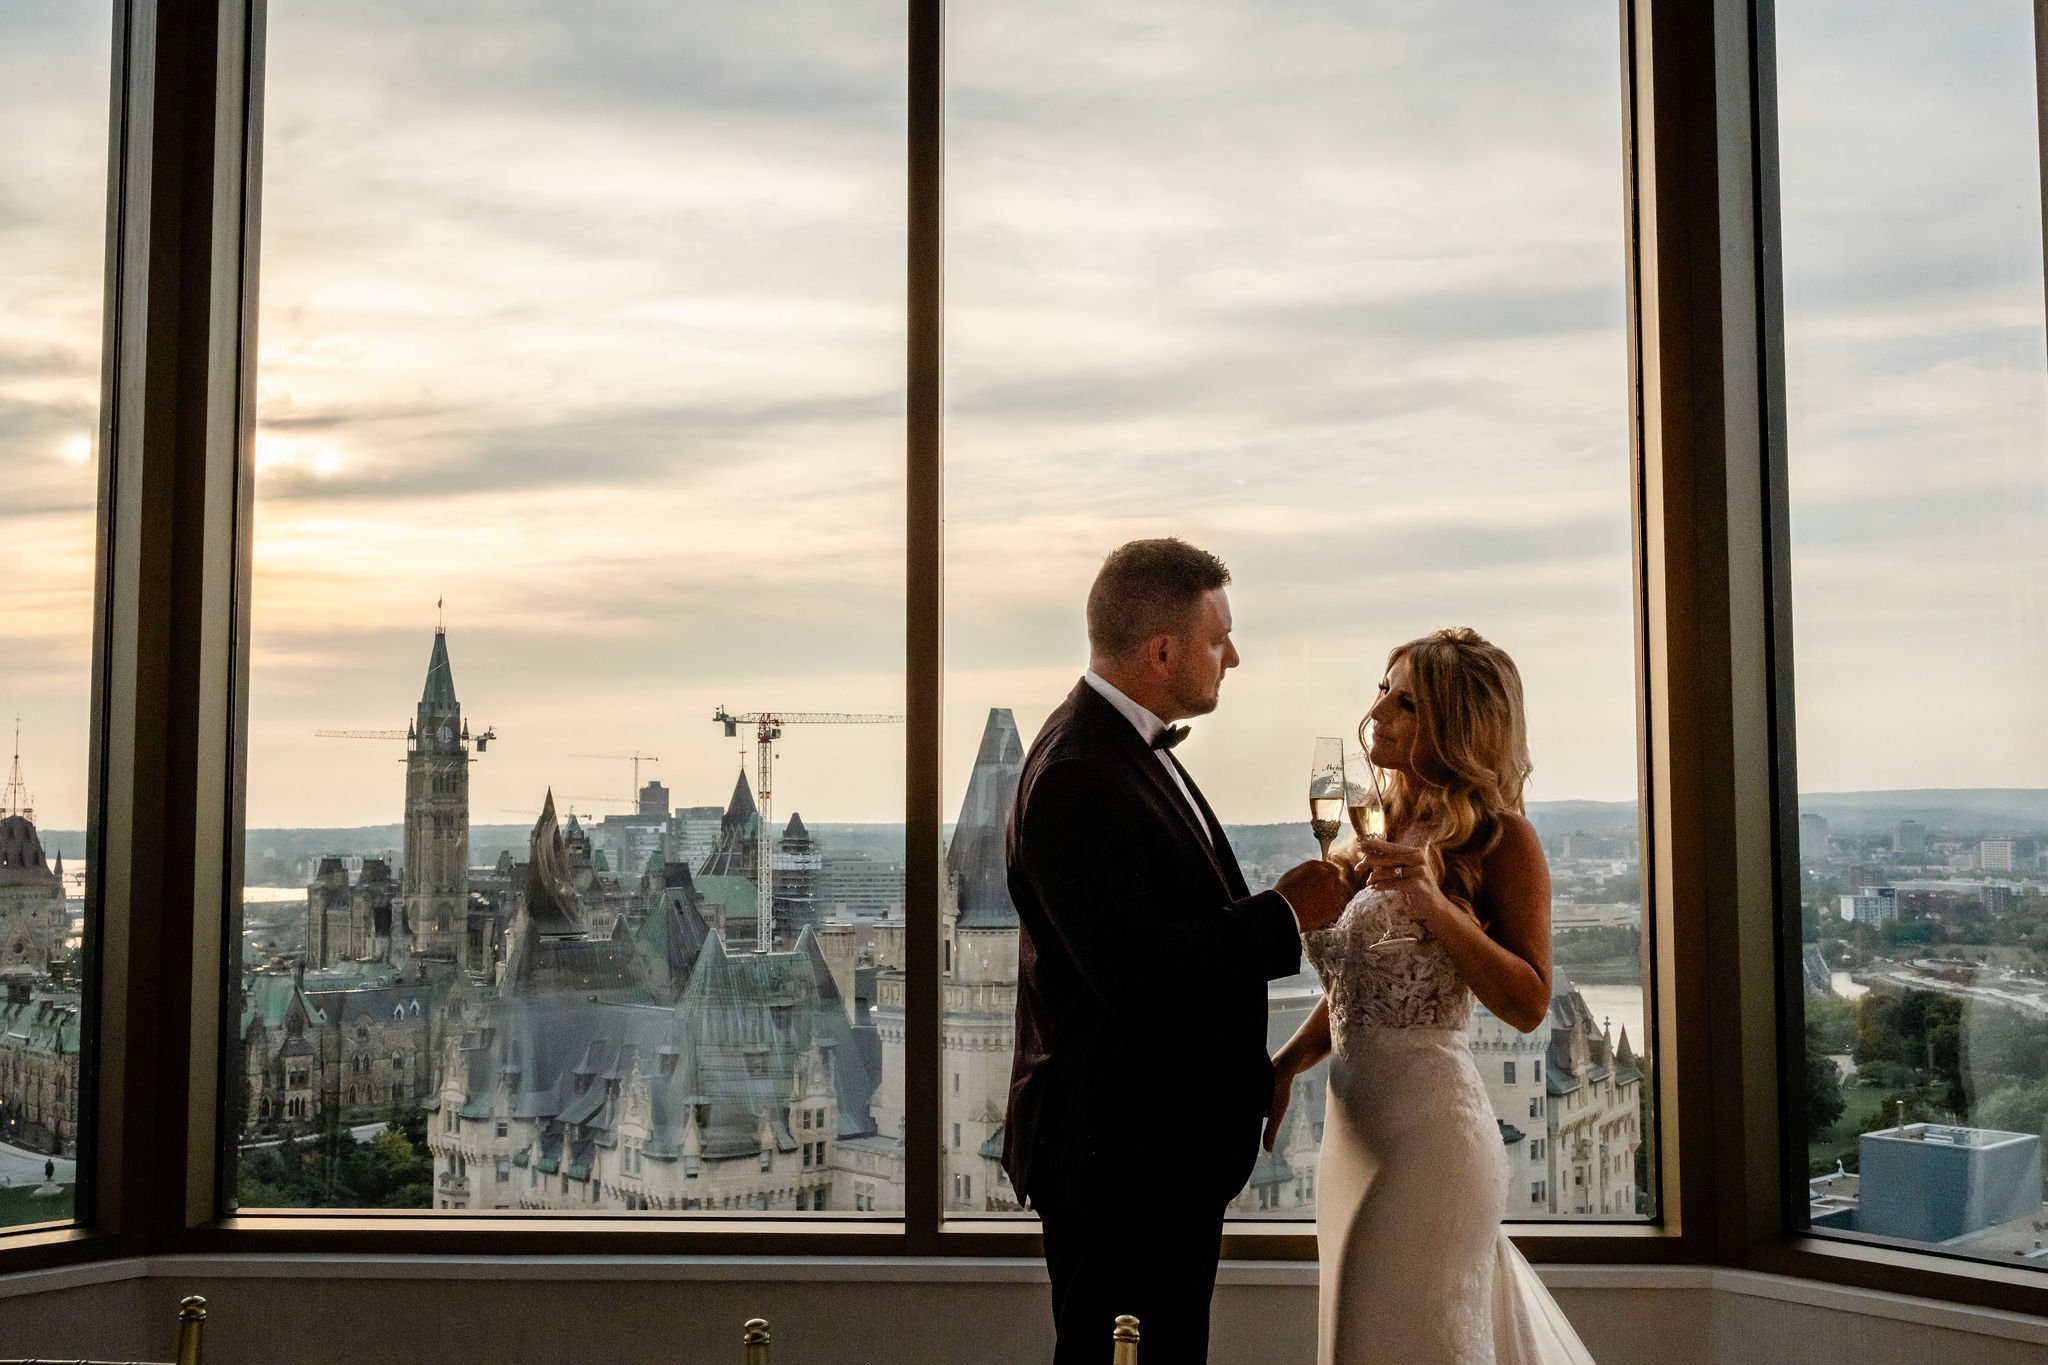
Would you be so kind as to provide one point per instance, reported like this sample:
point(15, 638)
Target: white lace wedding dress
point(1415, 1267)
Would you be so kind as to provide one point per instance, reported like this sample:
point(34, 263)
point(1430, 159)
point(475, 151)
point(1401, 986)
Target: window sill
point(26, 1253)
point(1859, 1267)
point(801, 1237)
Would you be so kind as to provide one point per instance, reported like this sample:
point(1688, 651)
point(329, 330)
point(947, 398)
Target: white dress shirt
point(1148, 727)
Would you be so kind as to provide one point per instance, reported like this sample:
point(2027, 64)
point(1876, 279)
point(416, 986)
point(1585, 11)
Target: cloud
point(591, 323)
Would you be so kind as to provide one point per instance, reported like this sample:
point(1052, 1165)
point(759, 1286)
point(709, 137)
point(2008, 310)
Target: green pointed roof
point(738, 830)
point(976, 858)
point(551, 908)
point(741, 809)
point(438, 696)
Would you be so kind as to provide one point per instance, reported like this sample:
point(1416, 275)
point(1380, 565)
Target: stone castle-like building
point(32, 917)
point(39, 1019)
point(350, 1031)
point(589, 1040)
point(1567, 1098)
point(434, 880)
point(649, 1068)
point(979, 1030)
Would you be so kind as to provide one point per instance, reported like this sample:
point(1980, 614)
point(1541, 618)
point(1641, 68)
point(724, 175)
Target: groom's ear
point(1160, 652)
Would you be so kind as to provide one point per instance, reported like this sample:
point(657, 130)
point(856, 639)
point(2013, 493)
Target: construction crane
point(481, 740)
point(767, 729)
point(636, 758)
point(566, 810)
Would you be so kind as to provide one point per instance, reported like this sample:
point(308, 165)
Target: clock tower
point(435, 885)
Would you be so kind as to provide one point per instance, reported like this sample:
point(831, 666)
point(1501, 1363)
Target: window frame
point(1794, 1250)
point(170, 676)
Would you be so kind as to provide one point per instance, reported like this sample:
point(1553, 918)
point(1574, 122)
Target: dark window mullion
point(924, 632)
point(160, 756)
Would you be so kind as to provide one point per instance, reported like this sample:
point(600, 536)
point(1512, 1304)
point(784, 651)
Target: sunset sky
point(589, 320)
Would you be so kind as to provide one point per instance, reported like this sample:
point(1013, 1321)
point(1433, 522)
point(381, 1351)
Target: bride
point(1454, 903)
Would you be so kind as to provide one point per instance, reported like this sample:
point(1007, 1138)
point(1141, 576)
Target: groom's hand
point(1316, 892)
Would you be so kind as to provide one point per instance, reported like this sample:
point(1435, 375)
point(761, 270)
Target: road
point(20, 1166)
point(1992, 994)
point(362, 1132)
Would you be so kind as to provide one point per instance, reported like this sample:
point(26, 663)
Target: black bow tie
point(1170, 736)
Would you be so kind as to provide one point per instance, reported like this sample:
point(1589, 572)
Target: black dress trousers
point(1108, 1254)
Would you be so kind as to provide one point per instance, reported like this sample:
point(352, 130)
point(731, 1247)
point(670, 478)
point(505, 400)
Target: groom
point(1141, 1074)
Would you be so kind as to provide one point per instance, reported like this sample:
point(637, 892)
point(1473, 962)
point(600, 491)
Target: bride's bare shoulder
point(1518, 849)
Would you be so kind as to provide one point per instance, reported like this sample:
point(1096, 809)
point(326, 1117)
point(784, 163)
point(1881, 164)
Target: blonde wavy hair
point(1471, 756)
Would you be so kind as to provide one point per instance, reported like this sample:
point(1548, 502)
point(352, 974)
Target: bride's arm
point(1309, 1045)
point(1508, 966)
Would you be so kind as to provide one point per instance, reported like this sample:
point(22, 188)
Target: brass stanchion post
point(1126, 1339)
point(191, 1320)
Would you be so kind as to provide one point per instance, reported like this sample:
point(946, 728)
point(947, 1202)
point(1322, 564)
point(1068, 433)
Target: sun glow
point(285, 454)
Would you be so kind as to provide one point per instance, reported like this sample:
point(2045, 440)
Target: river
point(1624, 1005)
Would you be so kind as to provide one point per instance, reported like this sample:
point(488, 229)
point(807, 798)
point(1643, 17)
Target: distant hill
point(1290, 841)
point(1956, 810)
point(69, 842)
point(272, 853)
point(1555, 819)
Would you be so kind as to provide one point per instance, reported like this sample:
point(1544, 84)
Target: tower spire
point(14, 799)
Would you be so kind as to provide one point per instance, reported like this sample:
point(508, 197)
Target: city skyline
point(543, 313)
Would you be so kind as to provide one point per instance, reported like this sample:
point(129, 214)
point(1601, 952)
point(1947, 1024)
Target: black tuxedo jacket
point(1143, 962)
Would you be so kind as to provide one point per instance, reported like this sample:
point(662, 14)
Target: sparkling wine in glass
point(1326, 791)
point(1365, 803)
point(1365, 795)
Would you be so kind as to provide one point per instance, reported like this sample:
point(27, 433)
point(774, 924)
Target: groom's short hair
point(1147, 588)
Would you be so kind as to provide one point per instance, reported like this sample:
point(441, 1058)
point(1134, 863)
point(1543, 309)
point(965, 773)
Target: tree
point(2016, 1108)
point(1824, 1102)
point(1901, 933)
point(1835, 1018)
point(1920, 1107)
point(333, 1170)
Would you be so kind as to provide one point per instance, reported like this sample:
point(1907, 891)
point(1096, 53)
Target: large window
point(53, 177)
point(1917, 412)
point(579, 420)
point(579, 417)
point(1336, 293)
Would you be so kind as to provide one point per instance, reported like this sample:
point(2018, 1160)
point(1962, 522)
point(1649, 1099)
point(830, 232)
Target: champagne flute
point(1365, 795)
point(1365, 802)
point(1326, 791)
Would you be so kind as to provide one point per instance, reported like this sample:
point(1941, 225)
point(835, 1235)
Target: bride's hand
point(1386, 865)
point(1283, 1095)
